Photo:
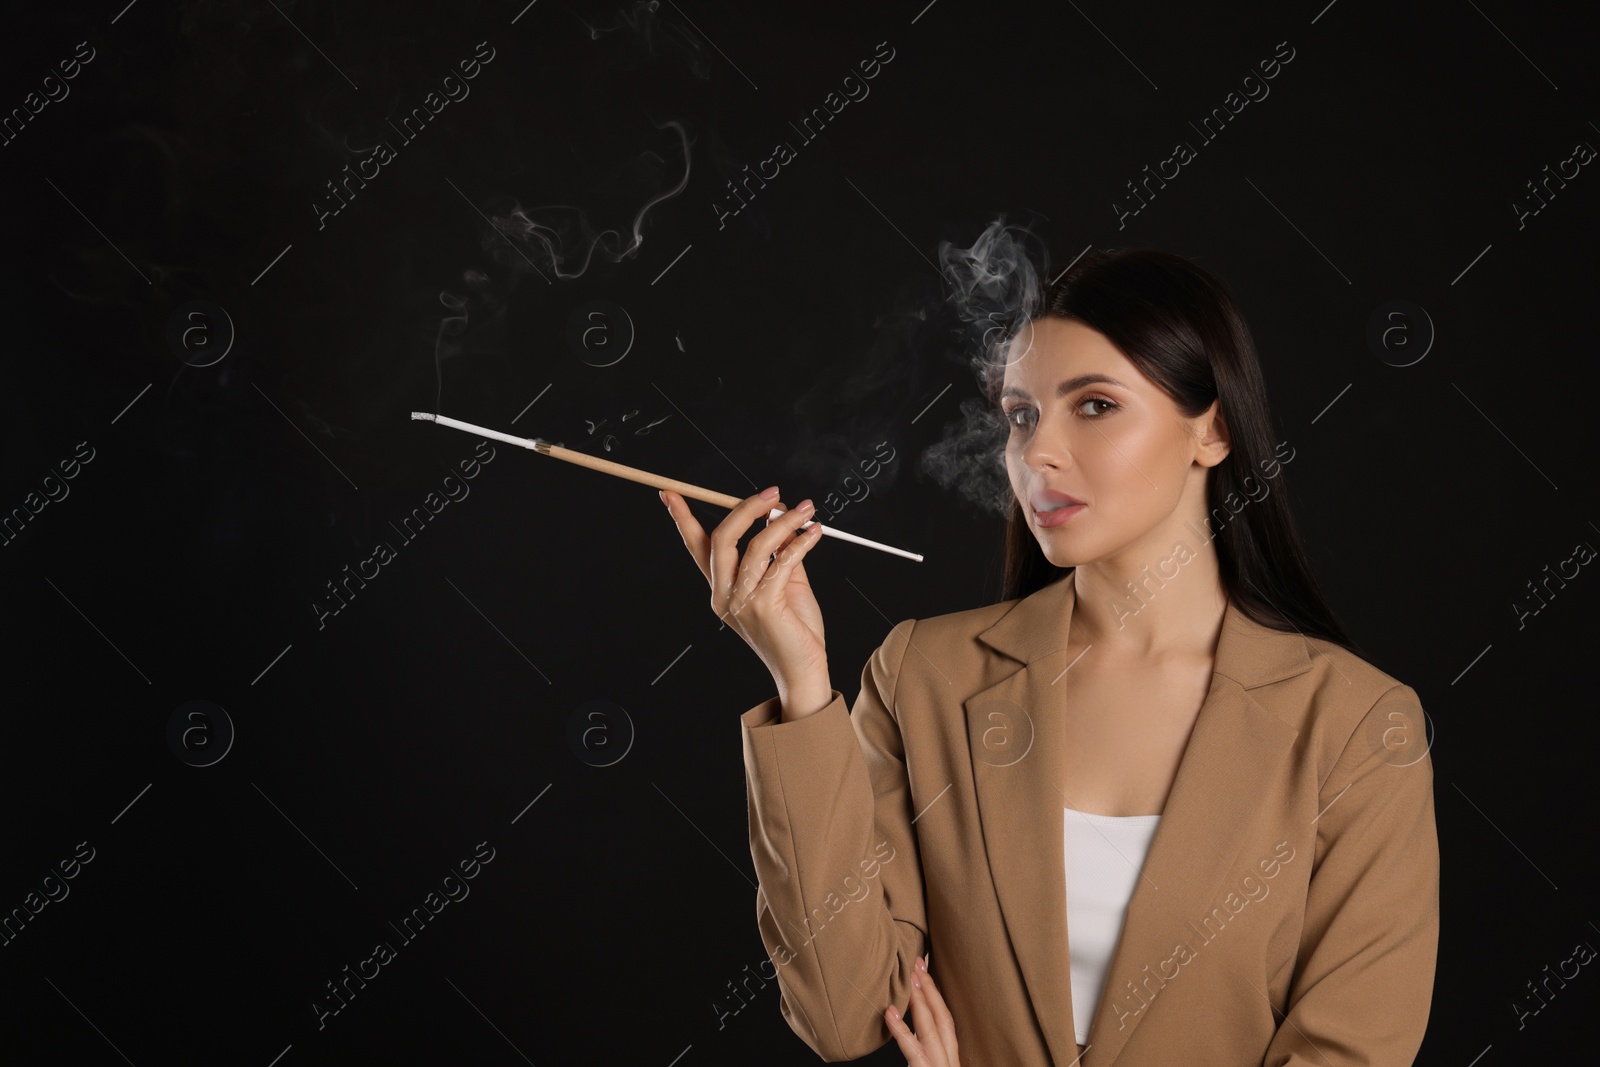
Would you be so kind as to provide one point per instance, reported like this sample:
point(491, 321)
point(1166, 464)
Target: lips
point(1049, 499)
point(1056, 516)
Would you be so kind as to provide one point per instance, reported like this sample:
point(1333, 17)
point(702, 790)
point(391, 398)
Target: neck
point(1151, 603)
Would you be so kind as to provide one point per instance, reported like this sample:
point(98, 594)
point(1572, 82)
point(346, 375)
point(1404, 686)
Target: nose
point(1046, 447)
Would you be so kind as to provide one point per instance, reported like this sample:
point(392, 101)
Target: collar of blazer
point(1237, 747)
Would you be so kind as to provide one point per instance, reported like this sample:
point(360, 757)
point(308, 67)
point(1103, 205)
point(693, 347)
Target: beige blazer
point(1287, 912)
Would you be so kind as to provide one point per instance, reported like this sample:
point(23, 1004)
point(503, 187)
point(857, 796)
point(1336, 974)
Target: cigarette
point(634, 474)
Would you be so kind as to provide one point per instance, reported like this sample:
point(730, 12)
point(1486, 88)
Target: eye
point(1022, 409)
point(1011, 416)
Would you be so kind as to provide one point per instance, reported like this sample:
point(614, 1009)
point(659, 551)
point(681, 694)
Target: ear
point(1212, 441)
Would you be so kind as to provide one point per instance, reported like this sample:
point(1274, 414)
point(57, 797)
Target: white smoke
point(995, 290)
point(557, 240)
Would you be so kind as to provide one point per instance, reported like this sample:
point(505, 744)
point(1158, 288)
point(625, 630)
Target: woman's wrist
point(801, 702)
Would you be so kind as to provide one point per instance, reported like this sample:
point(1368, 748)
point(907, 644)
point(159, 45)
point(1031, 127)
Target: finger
point(753, 569)
point(790, 555)
point(750, 569)
point(757, 558)
point(910, 1048)
point(926, 1026)
point(724, 555)
point(689, 528)
point(944, 1021)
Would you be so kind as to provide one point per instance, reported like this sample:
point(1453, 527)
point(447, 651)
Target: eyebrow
point(1067, 386)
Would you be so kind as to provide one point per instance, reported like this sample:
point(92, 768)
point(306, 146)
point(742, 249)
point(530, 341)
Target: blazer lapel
point(1015, 730)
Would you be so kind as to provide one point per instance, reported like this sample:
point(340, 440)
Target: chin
point(1058, 557)
point(1064, 549)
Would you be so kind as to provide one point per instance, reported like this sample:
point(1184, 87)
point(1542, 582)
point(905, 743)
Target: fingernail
point(916, 979)
point(805, 505)
point(662, 494)
point(770, 494)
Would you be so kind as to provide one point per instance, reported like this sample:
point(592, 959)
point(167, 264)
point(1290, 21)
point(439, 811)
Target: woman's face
point(1112, 440)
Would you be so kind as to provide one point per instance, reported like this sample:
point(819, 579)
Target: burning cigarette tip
point(424, 415)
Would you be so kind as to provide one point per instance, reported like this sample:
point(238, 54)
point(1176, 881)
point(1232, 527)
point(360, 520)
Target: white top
point(1104, 854)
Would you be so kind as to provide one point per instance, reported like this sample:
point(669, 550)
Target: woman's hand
point(769, 604)
point(934, 1043)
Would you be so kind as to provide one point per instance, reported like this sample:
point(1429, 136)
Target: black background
point(437, 709)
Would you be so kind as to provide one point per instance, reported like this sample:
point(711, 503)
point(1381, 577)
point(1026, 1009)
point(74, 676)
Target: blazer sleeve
point(840, 901)
point(1363, 981)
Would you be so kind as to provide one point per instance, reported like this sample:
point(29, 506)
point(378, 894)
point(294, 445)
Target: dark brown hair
point(1180, 326)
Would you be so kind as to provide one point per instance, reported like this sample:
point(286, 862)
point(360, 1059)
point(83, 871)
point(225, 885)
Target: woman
point(1190, 748)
